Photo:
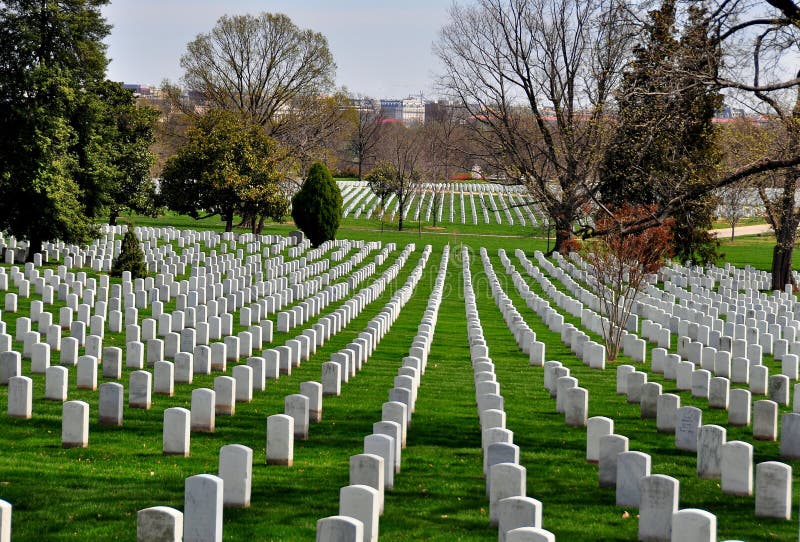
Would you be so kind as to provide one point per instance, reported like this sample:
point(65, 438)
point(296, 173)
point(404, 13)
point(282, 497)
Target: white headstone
point(202, 508)
point(280, 440)
point(362, 503)
point(159, 524)
point(176, 431)
point(75, 424)
point(236, 470)
point(773, 490)
point(737, 468)
point(694, 525)
point(659, 501)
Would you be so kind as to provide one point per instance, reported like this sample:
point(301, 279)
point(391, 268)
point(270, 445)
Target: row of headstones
point(125, 289)
point(560, 381)
point(709, 456)
point(649, 395)
point(250, 377)
point(655, 333)
point(768, 329)
point(573, 400)
point(517, 516)
point(20, 399)
point(524, 336)
point(204, 401)
point(656, 496)
point(685, 423)
point(31, 275)
point(247, 313)
point(664, 318)
point(372, 473)
point(102, 250)
point(590, 308)
point(581, 302)
point(280, 434)
point(732, 462)
point(207, 357)
point(717, 389)
point(361, 501)
point(591, 352)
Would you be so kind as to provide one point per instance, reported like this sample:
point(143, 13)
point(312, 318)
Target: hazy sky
point(381, 48)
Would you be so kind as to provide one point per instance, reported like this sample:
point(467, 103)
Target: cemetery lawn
point(94, 493)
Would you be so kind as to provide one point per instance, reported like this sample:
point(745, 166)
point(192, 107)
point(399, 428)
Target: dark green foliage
point(131, 257)
point(115, 135)
point(664, 145)
point(71, 143)
point(317, 206)
point(228, 165)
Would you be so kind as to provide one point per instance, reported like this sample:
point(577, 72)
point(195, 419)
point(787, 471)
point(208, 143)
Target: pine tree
point(131, 257)
point(664, 144)
point(317, 206)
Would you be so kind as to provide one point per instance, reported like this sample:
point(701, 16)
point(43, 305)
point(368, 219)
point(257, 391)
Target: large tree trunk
point(112, 217)
point(360, 165)
point(229, 222)
point(34, 246)
point(563, 238)
point(782, 265)
point(260, 226)
point(401, 204)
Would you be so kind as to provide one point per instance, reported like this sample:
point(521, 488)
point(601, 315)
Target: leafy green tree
point(131, 257)
point(228, 165)
point(115, 135)
point(382, 181)
point(51, 55)
point(317, 206)
point(664, 144)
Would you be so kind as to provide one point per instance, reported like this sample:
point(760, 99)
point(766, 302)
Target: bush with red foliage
point(620, 263)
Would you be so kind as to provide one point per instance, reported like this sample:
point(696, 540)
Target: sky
point(382, 49)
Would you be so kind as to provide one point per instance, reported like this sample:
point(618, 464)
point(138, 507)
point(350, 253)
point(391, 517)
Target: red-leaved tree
point(619, 266)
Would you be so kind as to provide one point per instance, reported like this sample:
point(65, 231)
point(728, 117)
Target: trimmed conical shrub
point(131, 257)
point(317, 206)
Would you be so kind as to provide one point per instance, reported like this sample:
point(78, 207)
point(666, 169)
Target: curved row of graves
point(191, 333)
point(373, 472)
point(218, 306)
point(705, 371)
point(454, 203)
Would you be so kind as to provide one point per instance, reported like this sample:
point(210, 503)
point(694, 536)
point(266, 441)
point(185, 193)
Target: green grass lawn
point(94, 493)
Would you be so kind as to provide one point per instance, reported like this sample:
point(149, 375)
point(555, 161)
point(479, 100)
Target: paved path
point(755, 229)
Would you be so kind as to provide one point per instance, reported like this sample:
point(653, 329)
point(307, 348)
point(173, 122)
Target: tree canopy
point(665, 141)
point(227, 166)
point(258, 65)
point(52, 156)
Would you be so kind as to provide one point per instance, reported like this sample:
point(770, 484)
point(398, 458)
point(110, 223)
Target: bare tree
point(619, 266)
point(731, 202)
point(259, 66)
point(537, 77)
point(400, 161)
point(366, 121)
point(444, 141)
point(770, 37)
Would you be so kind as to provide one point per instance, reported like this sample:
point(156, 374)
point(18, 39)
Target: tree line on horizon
point(591, 105)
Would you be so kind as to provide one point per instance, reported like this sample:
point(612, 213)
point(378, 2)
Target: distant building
point(413, 110)
point(728, 112)
point(392, 109)
point(409, 111)
point(138, 90)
